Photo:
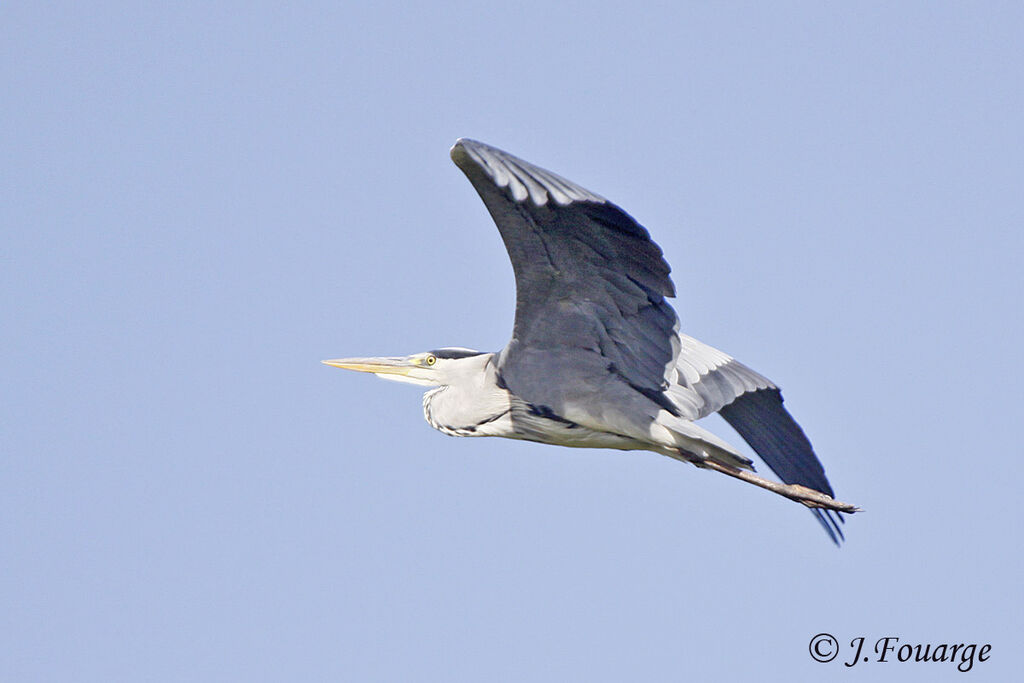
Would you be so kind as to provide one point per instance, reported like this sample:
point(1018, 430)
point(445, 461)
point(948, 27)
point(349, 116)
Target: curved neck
point(470, 402)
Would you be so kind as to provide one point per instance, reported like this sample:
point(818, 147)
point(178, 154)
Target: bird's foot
point(801, 494)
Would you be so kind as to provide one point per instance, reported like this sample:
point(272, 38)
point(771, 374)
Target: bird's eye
point(430, 360)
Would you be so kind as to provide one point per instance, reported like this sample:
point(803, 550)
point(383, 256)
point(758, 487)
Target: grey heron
point(596, 357)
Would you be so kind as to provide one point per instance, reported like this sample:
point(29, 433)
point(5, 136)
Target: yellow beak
point(378, 366)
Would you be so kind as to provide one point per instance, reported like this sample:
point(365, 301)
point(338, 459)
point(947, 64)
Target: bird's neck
point(472, 405)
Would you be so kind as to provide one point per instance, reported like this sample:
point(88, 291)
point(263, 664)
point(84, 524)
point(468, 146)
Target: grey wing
point(708, 381)
point(592, 323)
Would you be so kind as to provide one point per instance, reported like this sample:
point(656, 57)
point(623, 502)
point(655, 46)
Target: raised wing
point(590, 285)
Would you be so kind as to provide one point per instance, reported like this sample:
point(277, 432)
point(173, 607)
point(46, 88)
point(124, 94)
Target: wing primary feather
point(764, 423)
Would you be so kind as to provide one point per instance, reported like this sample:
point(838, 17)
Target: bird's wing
point(590, 286)
point(708, 381)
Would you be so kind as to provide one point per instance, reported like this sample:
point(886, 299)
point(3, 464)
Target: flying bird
point(597, 359)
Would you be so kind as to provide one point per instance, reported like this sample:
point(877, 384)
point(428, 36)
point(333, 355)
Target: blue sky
point(200, 203)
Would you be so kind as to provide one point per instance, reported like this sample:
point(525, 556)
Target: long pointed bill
point(409, 369)
point(378, 366)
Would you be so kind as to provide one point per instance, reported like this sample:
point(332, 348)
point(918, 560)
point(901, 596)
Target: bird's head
point(430, 369)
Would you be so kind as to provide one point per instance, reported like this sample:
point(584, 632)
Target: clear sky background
point(199, 202)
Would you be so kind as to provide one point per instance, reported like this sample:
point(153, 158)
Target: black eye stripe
point(454, 353)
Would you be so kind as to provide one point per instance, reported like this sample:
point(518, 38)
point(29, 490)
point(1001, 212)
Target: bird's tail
point(696, 443)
